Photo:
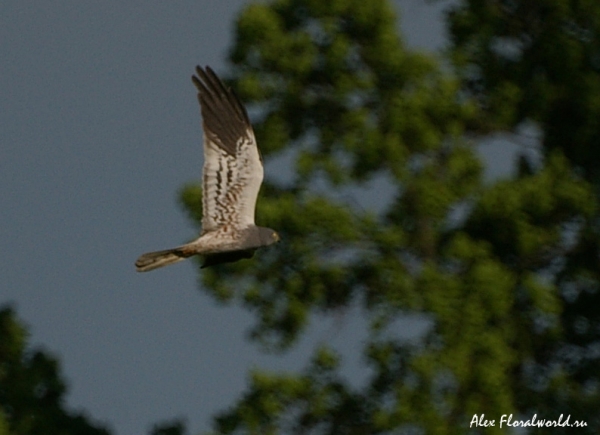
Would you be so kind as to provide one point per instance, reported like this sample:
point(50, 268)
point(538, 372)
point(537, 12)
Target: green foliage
point(539, 61)
point(335, 76)
point(316, 400)
point(32, 390)
point(3, 425)
point(504, 275)
point(524, 218)
point(536, 60)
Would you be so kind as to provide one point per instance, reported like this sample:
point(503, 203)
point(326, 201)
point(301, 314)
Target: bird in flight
point(232, 175)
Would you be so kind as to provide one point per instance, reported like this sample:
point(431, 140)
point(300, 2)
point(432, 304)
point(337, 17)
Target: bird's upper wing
point(233, 170)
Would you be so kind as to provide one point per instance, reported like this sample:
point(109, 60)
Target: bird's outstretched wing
point(233, 170)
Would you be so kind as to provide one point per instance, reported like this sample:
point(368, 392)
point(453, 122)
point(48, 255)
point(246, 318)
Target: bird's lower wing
point(226, 257)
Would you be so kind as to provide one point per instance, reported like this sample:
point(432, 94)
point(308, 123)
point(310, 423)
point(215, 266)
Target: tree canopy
point(534, 61)
point(32, 390)
point(504, 272)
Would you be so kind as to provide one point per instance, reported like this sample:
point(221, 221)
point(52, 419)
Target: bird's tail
point(154, 260)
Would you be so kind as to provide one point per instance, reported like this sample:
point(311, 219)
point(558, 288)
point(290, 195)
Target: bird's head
point(267, 236)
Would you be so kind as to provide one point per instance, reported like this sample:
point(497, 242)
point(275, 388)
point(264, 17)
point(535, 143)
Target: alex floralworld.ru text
point(507, 420)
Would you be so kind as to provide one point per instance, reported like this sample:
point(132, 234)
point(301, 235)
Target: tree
point(339, 94)
point(535, 61)
point(32, 390)
point(539, 62)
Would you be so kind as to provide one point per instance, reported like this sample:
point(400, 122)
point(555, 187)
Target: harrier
point(232, 175)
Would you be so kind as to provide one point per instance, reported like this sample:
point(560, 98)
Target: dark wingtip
point(196, 79)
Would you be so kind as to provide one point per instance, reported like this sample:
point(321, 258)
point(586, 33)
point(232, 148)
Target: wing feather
point(233, 170)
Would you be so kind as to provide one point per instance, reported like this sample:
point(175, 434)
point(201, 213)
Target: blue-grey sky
point(99, 128)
